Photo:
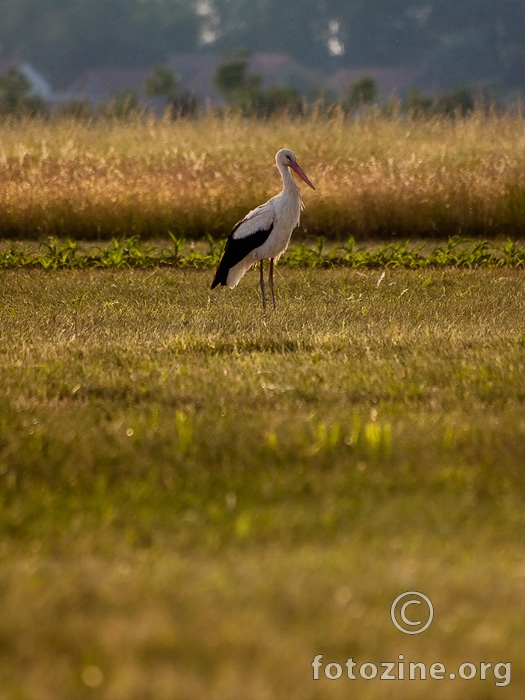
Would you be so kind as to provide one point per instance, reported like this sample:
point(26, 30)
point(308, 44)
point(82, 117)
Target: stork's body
point(265, 232)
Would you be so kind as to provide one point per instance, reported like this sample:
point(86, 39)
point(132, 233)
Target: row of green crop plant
point(131, 253)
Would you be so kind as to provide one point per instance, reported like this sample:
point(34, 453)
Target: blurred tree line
point(456, 41)
point(244, 92)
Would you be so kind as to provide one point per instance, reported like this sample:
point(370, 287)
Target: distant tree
point(324, 97)
point(453, 103)
point(15, 95)
point(417, 105)
point(265, 102)
point(458, 102)
point(362, 92)
point(163, 82)
point(246, 92)
point(233, 80)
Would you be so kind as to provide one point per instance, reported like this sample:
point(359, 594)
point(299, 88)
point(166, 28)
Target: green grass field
point(198, 498)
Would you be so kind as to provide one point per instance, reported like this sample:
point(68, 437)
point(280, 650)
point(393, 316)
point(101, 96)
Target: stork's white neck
point(288, 181)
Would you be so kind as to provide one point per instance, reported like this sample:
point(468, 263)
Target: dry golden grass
point(374, 177)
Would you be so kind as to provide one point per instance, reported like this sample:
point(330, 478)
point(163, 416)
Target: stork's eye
point(289, 157)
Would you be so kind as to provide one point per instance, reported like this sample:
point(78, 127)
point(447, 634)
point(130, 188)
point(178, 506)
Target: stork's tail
point(239, 256)
point(221, 274)
point(230, 276)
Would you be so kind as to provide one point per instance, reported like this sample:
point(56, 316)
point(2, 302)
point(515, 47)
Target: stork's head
point(287, 158)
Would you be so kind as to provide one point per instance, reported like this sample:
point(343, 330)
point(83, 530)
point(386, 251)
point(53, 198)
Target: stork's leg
point(263, 288)
point(270, 281)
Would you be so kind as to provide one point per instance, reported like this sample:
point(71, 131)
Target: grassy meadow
point(198, 498)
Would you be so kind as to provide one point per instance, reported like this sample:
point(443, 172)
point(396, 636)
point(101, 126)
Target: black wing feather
point(236, 250)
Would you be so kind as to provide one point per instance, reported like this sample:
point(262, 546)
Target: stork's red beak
point(297, 168)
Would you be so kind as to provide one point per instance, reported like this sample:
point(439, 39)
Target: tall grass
point(375, 177)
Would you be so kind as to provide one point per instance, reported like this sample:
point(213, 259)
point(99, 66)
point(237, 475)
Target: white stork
point(265, 232)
